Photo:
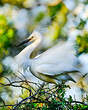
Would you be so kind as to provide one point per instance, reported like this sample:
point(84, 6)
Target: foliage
point(49, 99)
point(6, 36)
point(81, 24)
point(54, 9)
point(13, 2)
point(82, 43)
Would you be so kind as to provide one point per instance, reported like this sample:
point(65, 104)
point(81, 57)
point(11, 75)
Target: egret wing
point(56, 60)
point(58, 54)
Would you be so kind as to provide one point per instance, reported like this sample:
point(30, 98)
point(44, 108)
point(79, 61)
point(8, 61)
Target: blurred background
point(56, 20)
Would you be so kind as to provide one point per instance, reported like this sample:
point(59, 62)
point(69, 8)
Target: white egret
point(54, 65)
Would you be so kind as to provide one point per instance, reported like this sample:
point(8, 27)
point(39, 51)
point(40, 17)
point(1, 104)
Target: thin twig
point(28, 97)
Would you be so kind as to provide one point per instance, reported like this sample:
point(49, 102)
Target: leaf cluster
point(52, 99)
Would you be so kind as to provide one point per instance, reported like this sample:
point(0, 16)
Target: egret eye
point(32, 37)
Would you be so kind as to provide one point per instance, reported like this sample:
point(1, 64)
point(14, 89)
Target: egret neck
point(24, 57)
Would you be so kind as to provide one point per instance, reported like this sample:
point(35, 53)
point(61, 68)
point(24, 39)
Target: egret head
point(33, 37)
